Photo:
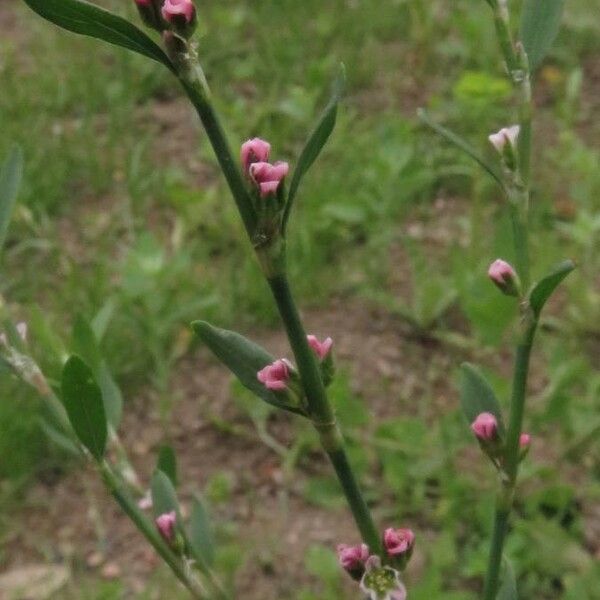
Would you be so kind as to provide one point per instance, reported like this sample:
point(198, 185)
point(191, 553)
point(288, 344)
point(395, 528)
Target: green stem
point(148, 530)
point(519, 220)
point(321, 412)
point(495, 560)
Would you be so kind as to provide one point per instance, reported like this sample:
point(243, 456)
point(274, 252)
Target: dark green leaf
point(243, 358)
point(164, 497)
point(508, 585)
point(317, 139)
point(544, 288)
point(540, 22)
point(200, 534)
point(461, 144)
point(82, 399)
point(86, 345)
point(10, 179)
point(167, 463)
point(84, 18)
point(477, 395)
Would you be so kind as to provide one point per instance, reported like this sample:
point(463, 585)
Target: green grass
point(118, 212)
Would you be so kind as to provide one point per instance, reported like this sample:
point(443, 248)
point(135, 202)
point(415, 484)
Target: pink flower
point(172, 10)
point(504, 277)
point(524, 441)
point(353, 558)
point(268, 177)
point(143, 3)
point(381, 583)
point(275, 376)
point(398, 541)
point(165, 524)
point(507, 135)
point(254, 151)
point(485, 426)
point(321, 348)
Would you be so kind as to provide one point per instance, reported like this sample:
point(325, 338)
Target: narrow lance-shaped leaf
point(463, 145)
point(544, 288)
point(164, 497)
point(540, 22)
point(85, 18)
point(200, 533)
point(317, 139)
point(243, 358)
point(167, 463)
point(508, 586)
point(477, 395)
point(86, 345)
point(82, 399)
point(10, 179)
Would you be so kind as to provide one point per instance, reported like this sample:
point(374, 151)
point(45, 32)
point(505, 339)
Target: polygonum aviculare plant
point(87, 414)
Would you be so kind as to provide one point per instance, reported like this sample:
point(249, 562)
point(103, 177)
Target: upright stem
point(519, 186)
point(321, 411)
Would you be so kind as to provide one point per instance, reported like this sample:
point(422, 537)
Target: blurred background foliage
point(124, 219)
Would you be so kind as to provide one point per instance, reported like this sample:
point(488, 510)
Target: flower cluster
point(486, 430)
point(379, 582)
point(266, 177)
point(178, 16)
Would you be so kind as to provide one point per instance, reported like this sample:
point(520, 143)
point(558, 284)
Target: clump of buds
point(353, 559)
point(267, 178)
point(505, 278)
point(505, 142)
point(398, 545)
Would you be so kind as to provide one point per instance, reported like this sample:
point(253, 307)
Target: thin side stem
point(129, 507)
point(321, 412)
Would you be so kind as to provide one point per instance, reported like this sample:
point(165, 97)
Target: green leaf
point(86, 345)
point(85, 18)
point(82, 399)
point(167, 463)
point(477, 395)
point(164, 497)
point(317, 139)
point(544, 288)
point(59, 439)
point(540, 22)
point(200, 533)
point(463, 145)
point(10, 179)
point(243, 358)
point(508, 585)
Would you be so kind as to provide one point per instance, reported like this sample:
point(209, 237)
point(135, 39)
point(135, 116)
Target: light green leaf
point(10, 179)
point(508, 585)
point(82, 399)
point(477, 395)
point(544, 288)
point(164, 497)
point(200, 533)
point(86, 345)
point(167, 463)
point(540, 22)
point(243, 358)
point(461, 144)
point(317, 139)
point(85, 18)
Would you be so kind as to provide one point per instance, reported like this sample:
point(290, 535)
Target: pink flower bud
point(253, 151)
point(166, 525)
point(321, 348)
point(268, 177)
point(172, 10)
point(504, 277)
point(507, 135)
point(485, 426)
point(353, 558)
point(524, 441)
point(398, 542)
point(143, 3)
point(275, 376)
